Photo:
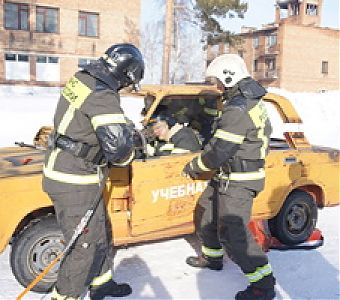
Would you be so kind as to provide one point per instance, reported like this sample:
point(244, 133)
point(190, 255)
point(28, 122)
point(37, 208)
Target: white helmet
point(228, 68)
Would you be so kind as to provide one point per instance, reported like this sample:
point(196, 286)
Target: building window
point(271, 40)
point(10, 57)
point(47, 68)
point(17, 67)
point(16, 16)
point(88, 24)
point(240, 53)
point(271, 64)
point(295, 9)
point(256, 65)
point(270, 71)
point(47, 59)
point(256, 42)
point(324, 67)
point(47, 19)
point(283, 13)
point(22, 57)
point(16, 57)
point(311, 9)
point(53, 60)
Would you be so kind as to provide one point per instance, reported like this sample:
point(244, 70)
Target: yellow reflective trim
point(265, 141)
point(259, 273)
point(243, 176)
point(100, 280)
point(265, 270)
point(167, 147)
point(179, 150)
point(52, 158)
point(76, 92)
point(105, 119)
point(212, 252)
point(56, 296)
point(254, 277)
point(211, 111)
point(228, 136)
point(66, 177)
point(66, 120)
point(201, 100)
point(71, 178)
point(259, 116)
point(201, 165)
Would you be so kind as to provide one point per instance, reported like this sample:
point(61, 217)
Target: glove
point(191, 169)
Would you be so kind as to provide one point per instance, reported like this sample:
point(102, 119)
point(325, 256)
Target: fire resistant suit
point(237, 151)
point(90, 127)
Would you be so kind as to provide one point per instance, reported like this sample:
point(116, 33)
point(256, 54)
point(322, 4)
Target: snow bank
point(320, 113)
point(23, 110)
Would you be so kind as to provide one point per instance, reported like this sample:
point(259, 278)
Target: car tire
point(32, 251)
point(296, 219)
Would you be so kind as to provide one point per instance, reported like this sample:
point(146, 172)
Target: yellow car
point(149, 199)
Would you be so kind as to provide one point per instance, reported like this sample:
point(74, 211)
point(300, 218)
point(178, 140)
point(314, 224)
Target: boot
point(110, 289)
point(203, 261)
point(254, 293)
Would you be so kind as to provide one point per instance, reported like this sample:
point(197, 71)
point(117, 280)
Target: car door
point(162, 198)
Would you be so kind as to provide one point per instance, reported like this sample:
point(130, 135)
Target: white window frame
point(271, 40)
point(47, 69)
point(19, 68)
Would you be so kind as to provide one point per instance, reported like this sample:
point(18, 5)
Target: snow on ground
point(158, 270)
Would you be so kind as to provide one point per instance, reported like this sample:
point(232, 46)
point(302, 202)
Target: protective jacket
point(89, 128)
point(184, 140)
point(238, 148)
point(240, 141)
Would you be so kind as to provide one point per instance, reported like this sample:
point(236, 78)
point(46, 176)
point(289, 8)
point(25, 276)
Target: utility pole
point(168, 29)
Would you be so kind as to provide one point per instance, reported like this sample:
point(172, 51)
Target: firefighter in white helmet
point(237, 153)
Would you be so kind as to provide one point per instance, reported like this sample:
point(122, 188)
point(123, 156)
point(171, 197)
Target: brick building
point(294, 52)
point(44, 42)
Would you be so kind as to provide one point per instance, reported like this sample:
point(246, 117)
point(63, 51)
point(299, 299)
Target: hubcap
point(297, 218)
point(43, 252)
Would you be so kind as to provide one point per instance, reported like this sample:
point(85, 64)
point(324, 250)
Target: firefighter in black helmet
point(90, 129)
point(237, 152)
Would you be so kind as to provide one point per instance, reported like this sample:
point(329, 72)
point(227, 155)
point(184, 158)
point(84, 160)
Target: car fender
point(17, 201)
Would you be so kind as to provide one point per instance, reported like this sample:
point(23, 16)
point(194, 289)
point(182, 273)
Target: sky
point(259, 12)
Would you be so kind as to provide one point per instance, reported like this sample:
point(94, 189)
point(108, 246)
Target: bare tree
point(197, 23)
point(152, 36)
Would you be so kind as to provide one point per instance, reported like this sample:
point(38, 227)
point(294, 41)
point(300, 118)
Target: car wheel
point(33, 250)
point(296, 220)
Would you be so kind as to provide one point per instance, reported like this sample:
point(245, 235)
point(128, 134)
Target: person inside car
point(171, 137)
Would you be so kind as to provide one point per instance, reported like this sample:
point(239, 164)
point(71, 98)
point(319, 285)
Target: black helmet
point(161, 115)
point(126, 64)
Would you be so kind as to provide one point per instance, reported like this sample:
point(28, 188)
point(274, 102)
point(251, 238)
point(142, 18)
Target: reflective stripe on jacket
point(242, 131)
point(88, 111)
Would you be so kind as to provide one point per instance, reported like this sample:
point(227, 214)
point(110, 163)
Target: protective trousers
point(223, 223)
point(92, 254)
